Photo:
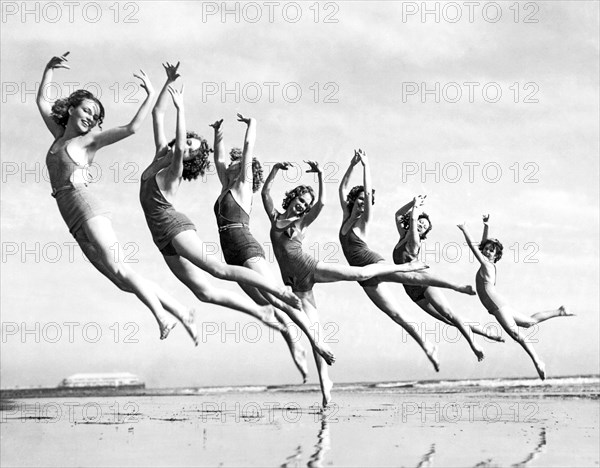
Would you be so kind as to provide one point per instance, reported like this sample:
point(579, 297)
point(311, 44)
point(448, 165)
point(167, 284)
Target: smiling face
point(423, 226)
point(359, 204)
point(489, 251)
point(300, 204)
point(85, 116)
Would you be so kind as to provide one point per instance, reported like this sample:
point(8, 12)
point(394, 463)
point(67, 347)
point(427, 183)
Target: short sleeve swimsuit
point(358, 254)
point(163, 220)
point(297, 267)
point(401, 256)
point(237, 242)
point(75, 201)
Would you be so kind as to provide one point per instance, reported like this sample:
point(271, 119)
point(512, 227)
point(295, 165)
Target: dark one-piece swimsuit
point(163, 220)
point(237, 242)
point(297, 267)
point(75, 201)
point(358, 254)
point(401, 256)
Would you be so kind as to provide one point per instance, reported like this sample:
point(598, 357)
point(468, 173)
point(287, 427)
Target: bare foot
point(432, 354)
point(326, 354)
point(268, 317)
point(564, 312)
point(468, 289)
point(190, 325)
point(287, 296)
point(479, 353)
point(541, 370)
point(326, 387)
point(217, 124)
point(165, 328)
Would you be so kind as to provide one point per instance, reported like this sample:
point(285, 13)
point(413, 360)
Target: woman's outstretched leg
point(331, 272)
point(196, 281)
point(527, 321)
point(431, 310)
point(309, 306)
point(426, 278)
point(436, 298)
point(385, 301)
point(188, 245)
point(505, 318)
point(107, 253)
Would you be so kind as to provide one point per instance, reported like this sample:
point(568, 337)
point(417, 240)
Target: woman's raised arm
point(158, 112)
point(113, 135)
point(43, 105)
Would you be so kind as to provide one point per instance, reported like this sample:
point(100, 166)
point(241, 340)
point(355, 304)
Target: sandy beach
point(379, 427)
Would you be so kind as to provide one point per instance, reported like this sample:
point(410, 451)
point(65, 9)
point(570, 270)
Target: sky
point(485, 109)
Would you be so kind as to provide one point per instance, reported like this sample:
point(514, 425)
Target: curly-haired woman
point(174, 234)
point(240, 178)
point(299, 269)
point(72, 122)
point(356, 205)
point(488, 253)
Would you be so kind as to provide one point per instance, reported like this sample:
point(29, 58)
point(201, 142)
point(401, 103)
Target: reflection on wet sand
point(539, 448)
point(536, 451)
point(427, 458)
point(321, 447)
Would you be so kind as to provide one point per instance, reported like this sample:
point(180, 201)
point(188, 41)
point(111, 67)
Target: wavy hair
point(496, 243)
point(199, 162)
point(405, 224)
point(298, 192)
point(354, 193)
point(60, 108)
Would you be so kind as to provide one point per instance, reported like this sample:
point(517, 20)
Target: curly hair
point(496, 243)
point(198, 163)
point(354, 193)
point(257, 172)
point(298, 192)
point(60, 108)
point(405, 223)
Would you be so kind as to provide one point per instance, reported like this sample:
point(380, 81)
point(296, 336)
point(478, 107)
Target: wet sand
point(279, 428)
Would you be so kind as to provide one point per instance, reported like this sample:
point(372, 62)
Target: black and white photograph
point(306, 233)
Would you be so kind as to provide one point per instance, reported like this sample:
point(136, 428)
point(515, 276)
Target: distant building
point(111, 380)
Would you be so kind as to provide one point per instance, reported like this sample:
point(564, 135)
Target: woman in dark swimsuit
point(488, 253)
point(240, 178)
point(356, 206)
point(299, 269)
point(413, 226)
point(73, 123)
point(174, 234)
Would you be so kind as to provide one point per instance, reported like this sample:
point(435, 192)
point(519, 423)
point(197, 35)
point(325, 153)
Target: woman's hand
point(177, 97)
point(419, 201)
point(216, 125)
point(313, 167)
point(462, 226)
point(362, 157)
point(284, 166)
point(486, 218)
point(241, 118)
point(355, 158)
point(145, 82)
point(58, 62)
point(171, 71)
